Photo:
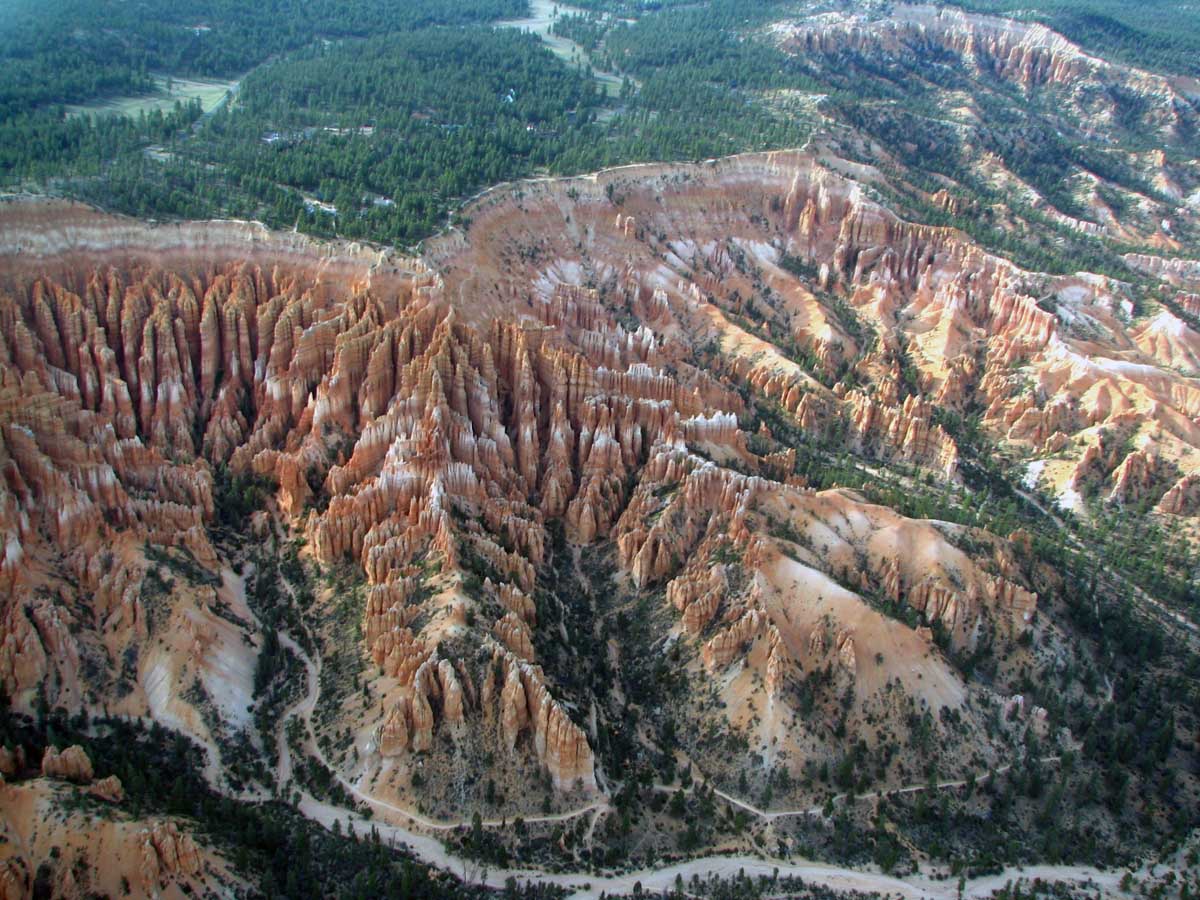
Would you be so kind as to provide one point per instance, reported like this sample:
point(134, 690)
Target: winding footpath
point(582, 885)
point(428, 849)
point(771, 815)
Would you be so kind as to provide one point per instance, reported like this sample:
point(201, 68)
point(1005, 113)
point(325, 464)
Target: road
point(772, 815)
point(585, 885)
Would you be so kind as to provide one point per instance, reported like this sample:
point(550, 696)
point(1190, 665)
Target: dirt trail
point(582, 885)
point(586, 885)
point(304, 708)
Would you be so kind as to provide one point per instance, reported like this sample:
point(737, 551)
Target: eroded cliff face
point(1027, 54)
point(579, 369)
point(1084, 119)
point(794, 286)
point(75, 854)
point(53, 840)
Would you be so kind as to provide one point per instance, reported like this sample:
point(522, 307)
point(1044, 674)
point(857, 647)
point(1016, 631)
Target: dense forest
point(1159, 34)
point(380, 138)
point(374, 120)
point(75, 50)
point(707, 43)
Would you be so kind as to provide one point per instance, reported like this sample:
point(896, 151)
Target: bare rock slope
point(581, 368)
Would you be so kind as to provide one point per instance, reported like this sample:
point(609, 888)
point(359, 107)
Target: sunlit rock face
point(581, 362)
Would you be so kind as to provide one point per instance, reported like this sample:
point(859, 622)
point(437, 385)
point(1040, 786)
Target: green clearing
point(168, 90)
point(543, 14)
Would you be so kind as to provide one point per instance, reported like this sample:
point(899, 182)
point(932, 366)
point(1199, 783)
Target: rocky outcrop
point(957, 600)
point(697, 596)
point(15, 880)
point(12, 761)
point(1026, 54)
point(526, 705)
point(432, 693)
point(1178, 271)
point(1170, 342)
point(455, 439)
point(512, 632)
point(515, 601)
point(1017, 603)
point(108, 789)
point(400, 654)
point(392, 735)
point(658, 530)
point(167, 852)
point(71, 764)
point(1182, 498)
point(725, 646)
point(1139, 475)
point(906, 429)
point(846, 653)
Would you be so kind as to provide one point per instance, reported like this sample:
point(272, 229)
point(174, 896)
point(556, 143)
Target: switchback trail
point(586, 885)
point(582, 885)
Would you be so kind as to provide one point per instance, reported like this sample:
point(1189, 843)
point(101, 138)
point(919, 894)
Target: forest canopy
point(375, 120)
